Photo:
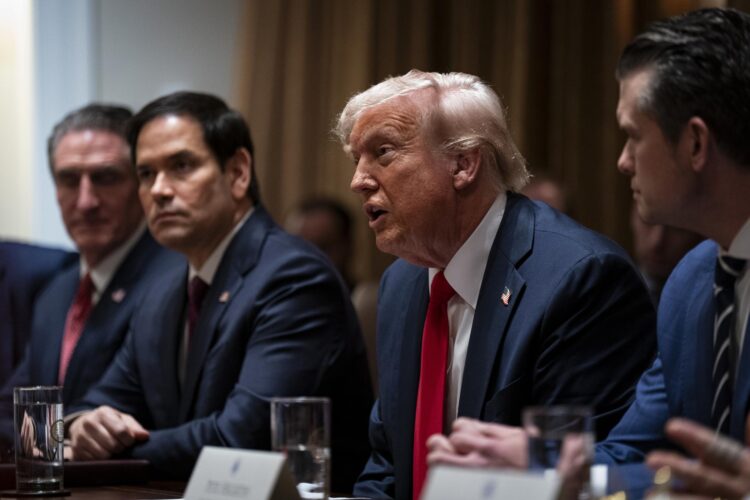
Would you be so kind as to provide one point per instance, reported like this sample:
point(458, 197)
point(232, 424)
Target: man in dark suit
point(81, 318)
point(256, 314)
point(24, 270)
point(518, 303)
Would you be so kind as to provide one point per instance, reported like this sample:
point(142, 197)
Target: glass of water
point(39, 433)
point(301, 429)
point(561, 438)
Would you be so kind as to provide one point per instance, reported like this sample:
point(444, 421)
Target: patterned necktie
point(75, 321)
point(433, 365)
point(727, 271)
point(196, 293)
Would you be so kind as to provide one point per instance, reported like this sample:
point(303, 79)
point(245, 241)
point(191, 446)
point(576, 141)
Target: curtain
point(551, 61)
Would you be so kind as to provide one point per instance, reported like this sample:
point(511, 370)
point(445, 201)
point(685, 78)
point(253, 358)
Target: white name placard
point(451, 483)
point(231, 474)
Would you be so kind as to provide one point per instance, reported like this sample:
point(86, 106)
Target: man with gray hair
point(497, 302)
point(82, 316)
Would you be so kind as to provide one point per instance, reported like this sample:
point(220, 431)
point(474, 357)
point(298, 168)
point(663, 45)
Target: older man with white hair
point(497, 302)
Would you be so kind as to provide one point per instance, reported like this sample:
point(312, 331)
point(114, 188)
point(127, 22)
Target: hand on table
point(480, 444)
point(722, 468)
point(104, 432)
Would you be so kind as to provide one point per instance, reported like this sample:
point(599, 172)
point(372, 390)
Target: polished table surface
point(128, 492)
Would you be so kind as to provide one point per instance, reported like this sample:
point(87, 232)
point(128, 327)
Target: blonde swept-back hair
point(468, 115)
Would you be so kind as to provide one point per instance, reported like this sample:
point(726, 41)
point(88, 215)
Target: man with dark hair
point(496, 302)
point(256, 314)
point(685, 107)
point(81, 318)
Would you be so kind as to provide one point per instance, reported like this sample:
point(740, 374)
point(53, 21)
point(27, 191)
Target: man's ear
point(466, 168)
point(697, 137)
point(239, 173)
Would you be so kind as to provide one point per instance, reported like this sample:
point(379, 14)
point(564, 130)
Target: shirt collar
point(103, 273)
point(740, 246)
point(208, 270)
point(465, 270)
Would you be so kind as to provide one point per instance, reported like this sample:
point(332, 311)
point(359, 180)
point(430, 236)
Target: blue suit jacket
point(24, 270)
point(679, 381)
point(103, 333)
point(579, 329)
point(276, 321)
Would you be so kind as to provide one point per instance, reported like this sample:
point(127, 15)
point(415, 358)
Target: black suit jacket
point(24, 270)
point(276, 321)
point(103, 333)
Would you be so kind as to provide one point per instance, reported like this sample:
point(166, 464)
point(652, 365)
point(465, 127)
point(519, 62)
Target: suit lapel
point(512, 243)
point(408, 369)
point(697, 363)
point(239, 258)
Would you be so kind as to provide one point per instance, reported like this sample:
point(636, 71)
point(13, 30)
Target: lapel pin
point(118, 295)
point(224, 297)
point(505, 297)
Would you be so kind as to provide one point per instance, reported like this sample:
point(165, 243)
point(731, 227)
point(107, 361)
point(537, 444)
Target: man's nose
point(161, 188)
point(625, 161)
point(88, 199)
point(362, 182)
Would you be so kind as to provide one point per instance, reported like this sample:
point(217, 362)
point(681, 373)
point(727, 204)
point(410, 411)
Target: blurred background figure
point(657, 250)
point(327, 224)
point(548, 190)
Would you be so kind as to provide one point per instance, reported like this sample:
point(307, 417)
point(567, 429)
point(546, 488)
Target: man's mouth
point(374, 213)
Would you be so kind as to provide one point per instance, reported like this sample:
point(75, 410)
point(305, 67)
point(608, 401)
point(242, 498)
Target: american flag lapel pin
point(118, 295)
point(224, 297)
point(505, 297)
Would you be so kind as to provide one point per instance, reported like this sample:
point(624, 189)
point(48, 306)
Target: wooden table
point(129, 492)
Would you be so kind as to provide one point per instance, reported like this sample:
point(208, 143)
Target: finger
point(444, 458)
point(119, 429)
point(438, 442)
point(138, 432)
point(697, 478)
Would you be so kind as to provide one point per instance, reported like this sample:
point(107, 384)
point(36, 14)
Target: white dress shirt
point(740, 248)
point(465, 273)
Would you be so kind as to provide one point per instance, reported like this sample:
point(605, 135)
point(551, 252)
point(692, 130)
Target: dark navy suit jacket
point(679, 381)
point(103, 333)
point(578, 329)
point(24, 270)
point(276, 321)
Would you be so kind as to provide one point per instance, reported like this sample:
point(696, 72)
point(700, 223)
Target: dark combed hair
point(333, 207)
point(701, 67)
point(224, 129)
point(95, 116)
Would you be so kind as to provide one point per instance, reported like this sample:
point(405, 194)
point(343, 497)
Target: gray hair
point(468, 116)
point(103, 117)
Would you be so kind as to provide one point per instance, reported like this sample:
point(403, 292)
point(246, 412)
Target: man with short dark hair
point(496, 302)
point(256, 314)
point(81, 318)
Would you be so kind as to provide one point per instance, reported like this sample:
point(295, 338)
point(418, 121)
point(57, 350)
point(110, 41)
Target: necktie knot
point(441, 291)
point(197, 289)
point(727, 270)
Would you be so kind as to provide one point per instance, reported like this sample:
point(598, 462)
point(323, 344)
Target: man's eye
point(105, 178)
point(384, 150)
point(144, 174)
point(67, 180)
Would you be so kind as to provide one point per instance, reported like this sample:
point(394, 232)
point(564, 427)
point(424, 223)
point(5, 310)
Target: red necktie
point(433, 365)
point(196, 292)
point(77, 314)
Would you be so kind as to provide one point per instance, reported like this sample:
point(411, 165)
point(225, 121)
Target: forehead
point(632, 89)
point(82, 148)
point(168, 134)
point(400, 116)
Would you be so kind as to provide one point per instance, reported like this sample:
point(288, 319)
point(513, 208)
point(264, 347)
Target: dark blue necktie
point(727, 271)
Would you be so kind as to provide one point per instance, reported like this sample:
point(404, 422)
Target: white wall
point(128, 52)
